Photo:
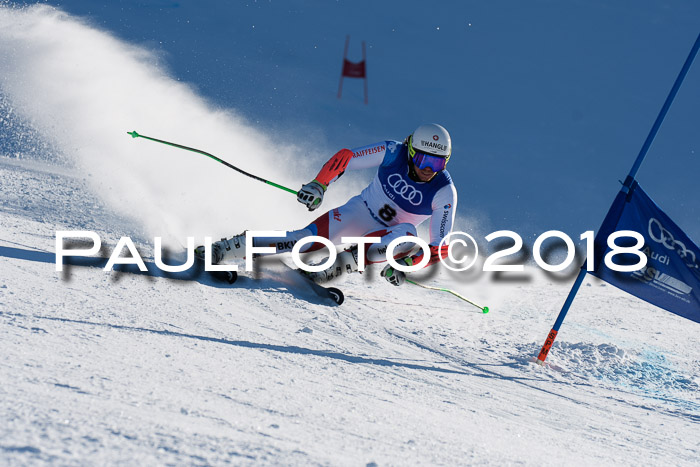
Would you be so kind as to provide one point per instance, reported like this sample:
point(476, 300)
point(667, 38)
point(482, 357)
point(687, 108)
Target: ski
point(333, 293)
point(229, 277)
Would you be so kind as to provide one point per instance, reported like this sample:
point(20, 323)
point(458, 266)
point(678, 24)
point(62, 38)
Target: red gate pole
point(342, 70)
point(353, 69)
point(364, 60)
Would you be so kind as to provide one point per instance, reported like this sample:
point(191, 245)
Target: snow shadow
point(192, 274)
point(275, 283)
point(289, 349)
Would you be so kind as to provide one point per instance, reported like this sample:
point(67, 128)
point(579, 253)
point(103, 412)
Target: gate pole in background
point(352, 69)
point(629, 181)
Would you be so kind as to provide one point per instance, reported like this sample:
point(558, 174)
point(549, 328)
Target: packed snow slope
point(103, 367)
point(106, 367)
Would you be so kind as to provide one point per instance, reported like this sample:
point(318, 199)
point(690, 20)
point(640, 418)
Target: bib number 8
point(387, 213)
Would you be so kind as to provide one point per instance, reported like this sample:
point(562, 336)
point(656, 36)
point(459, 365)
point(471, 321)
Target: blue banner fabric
point(671, 277)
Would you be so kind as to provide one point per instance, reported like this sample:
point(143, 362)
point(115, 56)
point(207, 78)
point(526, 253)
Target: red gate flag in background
point(352, 69)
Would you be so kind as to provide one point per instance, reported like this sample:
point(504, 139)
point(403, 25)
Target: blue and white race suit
point(393, 205)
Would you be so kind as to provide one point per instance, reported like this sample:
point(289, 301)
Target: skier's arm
point(372, 155)
point(311, 194)
point(364, 157)
point(334, 168)
point(444, 205)
point(444, 208)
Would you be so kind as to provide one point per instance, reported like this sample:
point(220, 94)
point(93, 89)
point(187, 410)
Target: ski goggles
point(423, 160)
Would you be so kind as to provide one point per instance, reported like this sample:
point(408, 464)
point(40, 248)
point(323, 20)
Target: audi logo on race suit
point(404, 190)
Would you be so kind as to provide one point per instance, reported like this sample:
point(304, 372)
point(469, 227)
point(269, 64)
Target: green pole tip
point(133, 134)
point(485, 309)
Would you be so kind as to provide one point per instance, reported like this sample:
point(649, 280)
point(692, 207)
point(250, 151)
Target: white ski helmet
point(430, 138)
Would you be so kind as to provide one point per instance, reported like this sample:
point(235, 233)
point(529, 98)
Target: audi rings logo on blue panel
point(404, 190)
point(659, 234)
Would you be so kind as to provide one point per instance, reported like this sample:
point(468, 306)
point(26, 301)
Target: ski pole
point(260, 179)
point(484, 309)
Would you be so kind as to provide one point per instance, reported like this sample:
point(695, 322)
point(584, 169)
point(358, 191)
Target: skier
point(410, 186)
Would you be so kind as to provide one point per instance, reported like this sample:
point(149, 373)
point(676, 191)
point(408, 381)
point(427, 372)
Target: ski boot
point(225, 249)
point(345, 263)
